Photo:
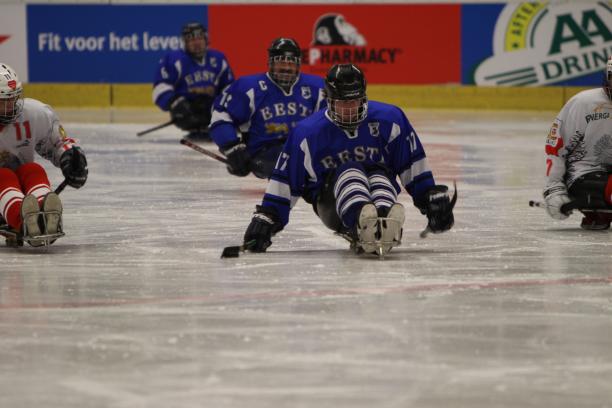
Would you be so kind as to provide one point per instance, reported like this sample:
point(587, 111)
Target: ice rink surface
point(134, 308)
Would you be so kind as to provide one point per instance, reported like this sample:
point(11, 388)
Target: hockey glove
point(439, 209)
point(258, 236)
point(238, 159)
point(555, 197)
point(182, 115)
point(74, 167)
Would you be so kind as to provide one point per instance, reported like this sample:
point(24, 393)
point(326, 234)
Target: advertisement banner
point(393, 44)
point(103, 43)
point(536, 43)
point(13, 49)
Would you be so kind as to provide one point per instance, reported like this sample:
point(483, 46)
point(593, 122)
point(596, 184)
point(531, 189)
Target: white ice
point(135, 308)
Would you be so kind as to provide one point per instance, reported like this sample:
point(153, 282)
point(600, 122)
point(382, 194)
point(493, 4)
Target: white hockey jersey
point(37, 129)
point(580, 139)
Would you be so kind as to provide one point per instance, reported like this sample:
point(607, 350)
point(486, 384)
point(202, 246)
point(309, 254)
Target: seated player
point(579, 157)
point(187, 81)
point(28, 126)
point(252, 117)
point(345, 161)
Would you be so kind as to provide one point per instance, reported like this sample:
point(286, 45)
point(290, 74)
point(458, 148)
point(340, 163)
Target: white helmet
point(11, 95)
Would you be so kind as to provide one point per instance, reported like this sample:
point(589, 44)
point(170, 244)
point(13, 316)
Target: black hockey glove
point(74, 167)
point(258, 236)
point(182, 115)
point(439, 209)
point(238, 159)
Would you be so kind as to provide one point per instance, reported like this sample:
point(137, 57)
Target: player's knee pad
point(383, 190)
point(351, 190)
point(349, 173)
point(33, 179)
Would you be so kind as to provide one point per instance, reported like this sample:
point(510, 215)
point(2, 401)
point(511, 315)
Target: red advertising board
point(393, 44)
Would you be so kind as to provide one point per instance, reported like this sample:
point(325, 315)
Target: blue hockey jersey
point(179, 74)
point(255, 106)
point(317, 146)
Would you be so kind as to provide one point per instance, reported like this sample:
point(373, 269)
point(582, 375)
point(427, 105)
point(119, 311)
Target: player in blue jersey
point(345, 161)
point(187, 81)
point(252, 117)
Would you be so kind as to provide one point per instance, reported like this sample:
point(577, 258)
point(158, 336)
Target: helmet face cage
point(11, 95)
point(284, 60)
point(284, 69)
point(348, 113)
point(345, 89)
point(10, 108)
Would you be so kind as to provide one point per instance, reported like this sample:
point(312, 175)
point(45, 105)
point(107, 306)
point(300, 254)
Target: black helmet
point(346, 82)
point(284, 50)
point(191, 30)
point(285, 47)
point(194, 30)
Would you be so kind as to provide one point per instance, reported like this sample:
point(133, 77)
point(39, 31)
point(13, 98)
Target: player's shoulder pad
point(312, 80)
point(215, 53)
point(38, 107)
point(595, 95)
point(385, 112)
point(174, 55)
point(244, 83)
point(583, 102)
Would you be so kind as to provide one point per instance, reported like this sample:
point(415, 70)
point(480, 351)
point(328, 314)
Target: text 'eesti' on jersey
point(37, 129)
point(580, 139)
point(179, 74)
point(257, 106)
point(317, 146)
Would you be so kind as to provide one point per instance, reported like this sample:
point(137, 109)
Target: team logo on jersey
point(597, 116)
point(541, 43)
point(553, 142)
point(374, 128)
point(306, 93)
point(336, 41)
point(213, 62)
point(277, 128)
point(552, 135)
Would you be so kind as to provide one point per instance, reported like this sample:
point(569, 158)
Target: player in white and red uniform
point(579, 156)
point(28, 126)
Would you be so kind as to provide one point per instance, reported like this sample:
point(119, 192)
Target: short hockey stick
point(61, 187)
point(567, 207)
point(453, 201)
point(153, 129)
point(200, 149)
point(234, 251)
